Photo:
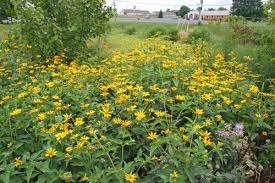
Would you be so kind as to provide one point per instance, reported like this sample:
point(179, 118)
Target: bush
point(57, 27)
point(131, 31)
point(199, 34)
point(172, 35)
point(156, 31)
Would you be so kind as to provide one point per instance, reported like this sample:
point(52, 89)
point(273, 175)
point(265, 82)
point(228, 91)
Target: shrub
point(235, 19)
point(199, 34)
point(156, 31)
point(131, 31)
point(172, 35)
point(55, 27)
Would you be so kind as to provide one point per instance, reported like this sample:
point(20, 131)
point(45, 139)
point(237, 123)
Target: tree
point(222, 8)
point(160, 14)
point(183, 11)
point(6, 9)
point(249, 9)
point(211, 9)
point(56, 27)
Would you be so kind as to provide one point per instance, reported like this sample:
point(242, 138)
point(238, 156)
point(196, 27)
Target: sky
point(156, 5)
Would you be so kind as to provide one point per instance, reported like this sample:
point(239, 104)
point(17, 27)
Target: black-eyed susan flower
point(140, 115)
point(51, 152)
point(152, 136)
point(130, 177)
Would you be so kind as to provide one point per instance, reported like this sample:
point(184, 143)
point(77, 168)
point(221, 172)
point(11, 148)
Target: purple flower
point(237, 131)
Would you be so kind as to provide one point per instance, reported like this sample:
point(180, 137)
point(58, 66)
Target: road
point(159, 20)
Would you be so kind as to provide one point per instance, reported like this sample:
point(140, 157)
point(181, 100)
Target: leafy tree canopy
point(6, 9)
point(160, 14)
point(54, 27)
point(222, 8)
point(183, 11)
point(248, 9)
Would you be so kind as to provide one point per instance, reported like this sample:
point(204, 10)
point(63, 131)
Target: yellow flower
point(132, 108)
point(159, 113)
point(41, 116)
point(258, 115)
point(182, 129)
point(152, 135)
point(126, 123)
point(218, 117)
point(78, 122)
point(174, 88)
point(9, 145)
point(155, 158)
point(174, 174)
point(264, 134)
point(16, 112)
point(84, 178)
point(199, 112)
point(90, 113)
point(92, 132)
point(84, 139)
point(130, 177)
point(198, 127)
point(208, 121)
point(185, 137)
point(266, 115)
point(67, 116)
point(69, 149)
point(207, 141)
point(50, 153)
point(254, 89)
point(180, 97)
point(238, 106)
point(207, 97)
point(140, 115)
point(79, 145)
point(23, 94)
point(18, 161)
point(205, 134)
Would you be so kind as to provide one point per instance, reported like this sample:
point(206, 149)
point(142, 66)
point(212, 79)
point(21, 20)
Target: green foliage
point(173, 35)
point(222, 8)
point(183, 11)
point(6, 9)
point(199, 34)
point(55, 27)
point(156, 31)
point(235, 19)
point(248, 9)
point(160, 14)
point(131, 31)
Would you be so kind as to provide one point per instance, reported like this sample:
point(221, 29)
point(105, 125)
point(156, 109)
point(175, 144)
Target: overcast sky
point(156, 5)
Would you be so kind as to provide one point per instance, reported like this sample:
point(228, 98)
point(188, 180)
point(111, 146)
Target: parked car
point(7, 20)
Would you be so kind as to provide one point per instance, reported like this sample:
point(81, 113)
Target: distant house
point(209, 15)
point(167, 14)
point(134, 12)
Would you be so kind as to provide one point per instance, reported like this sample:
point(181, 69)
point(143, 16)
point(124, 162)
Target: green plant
point(156, 31)
point(199, 34)
point(55, 27)
point(131, 31)
point(173, 35)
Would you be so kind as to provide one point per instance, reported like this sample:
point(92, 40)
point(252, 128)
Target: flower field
point(162, 112)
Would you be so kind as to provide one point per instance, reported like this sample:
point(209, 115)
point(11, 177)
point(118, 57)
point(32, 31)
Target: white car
point(7, 21)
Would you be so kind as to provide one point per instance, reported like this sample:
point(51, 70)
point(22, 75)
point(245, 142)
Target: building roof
point(212, 13)
point(135, 11)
